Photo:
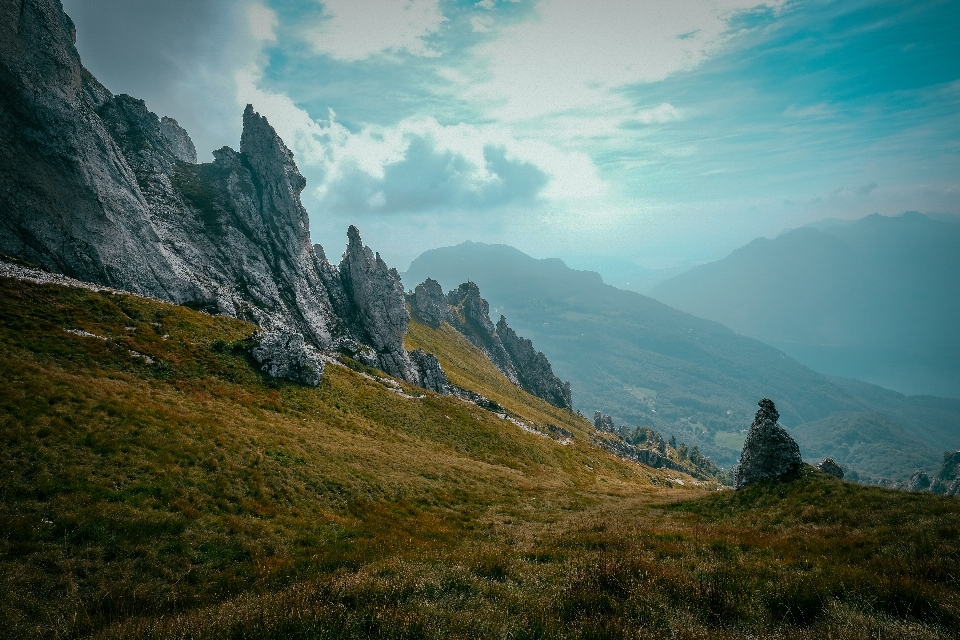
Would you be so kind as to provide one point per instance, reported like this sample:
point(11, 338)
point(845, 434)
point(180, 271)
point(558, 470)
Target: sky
point(617, 135)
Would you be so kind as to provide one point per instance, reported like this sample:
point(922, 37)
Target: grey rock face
point(378, 311)
point(947, 481)
point(429, 304)
point(466, 310)
point(428, 368)
point(769, 453)
point(98, 188)
point(180, 143)
point(533, 369)
point(919, 481)
point(831, 467)
point(284, 354)
point(603, 422)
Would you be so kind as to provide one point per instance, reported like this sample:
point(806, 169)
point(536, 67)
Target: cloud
point(819, 110)
point(664, 112)
point(418, 164)
point(573, 54)
point(179, 56)
point(354, 30)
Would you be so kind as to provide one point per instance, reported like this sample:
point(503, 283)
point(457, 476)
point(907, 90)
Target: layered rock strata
point(469, 313)
point(769, 453)
point(98, 188)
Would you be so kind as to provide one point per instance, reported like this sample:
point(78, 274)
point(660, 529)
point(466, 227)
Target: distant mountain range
point(648, 364)
point(877, 299)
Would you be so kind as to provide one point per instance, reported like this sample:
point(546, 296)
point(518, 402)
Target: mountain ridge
point(649, 365)
point(874, 299)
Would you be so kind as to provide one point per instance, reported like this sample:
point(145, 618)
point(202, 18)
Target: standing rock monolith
point(769, 453)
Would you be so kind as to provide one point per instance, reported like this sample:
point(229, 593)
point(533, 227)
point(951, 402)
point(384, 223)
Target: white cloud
point(358, 29)
point(263, 23)
point(481, 24)
point(419, 164)
point(573, 53)
point(664, 112)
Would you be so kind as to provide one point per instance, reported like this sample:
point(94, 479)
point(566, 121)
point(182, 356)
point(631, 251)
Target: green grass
point(730, 440)
point(196, 498)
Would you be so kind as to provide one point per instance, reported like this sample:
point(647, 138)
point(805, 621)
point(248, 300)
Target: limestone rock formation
point(431, 375)
point(180, 143)
point(96, 187)
point(468, 312)
point(429, 304)
point(533, 369)
point(919, 481)
point(831, 467)
point(947, 481)
point(769, 453)
point(603, 422)
point(284, 354)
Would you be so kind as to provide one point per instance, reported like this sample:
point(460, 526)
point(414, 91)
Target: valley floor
point(155, 484)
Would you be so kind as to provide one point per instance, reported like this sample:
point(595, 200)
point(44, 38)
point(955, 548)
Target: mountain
point(647, 364)
point(877, 299)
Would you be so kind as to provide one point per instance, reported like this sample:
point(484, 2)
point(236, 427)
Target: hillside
point(157, 485)
point(650, 365)
point(877, 299)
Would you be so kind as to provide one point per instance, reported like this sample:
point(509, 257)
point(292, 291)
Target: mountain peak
point(265, 151)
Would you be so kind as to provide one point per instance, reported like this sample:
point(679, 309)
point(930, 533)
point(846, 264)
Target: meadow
point(157, 485)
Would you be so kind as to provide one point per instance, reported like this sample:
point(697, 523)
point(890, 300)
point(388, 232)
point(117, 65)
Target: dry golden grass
point(194, 497)
point(466, 366)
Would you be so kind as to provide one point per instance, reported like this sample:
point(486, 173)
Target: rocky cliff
point(97, 187)
point(466, 310)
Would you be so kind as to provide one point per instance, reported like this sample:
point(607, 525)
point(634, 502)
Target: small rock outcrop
point(947, 481)
point(428, 368)
point(469, 313)
point(769, 453)
point(831, 467)
point(603, 422)
point(284, 354)
point(429, 304)
point(919, 481)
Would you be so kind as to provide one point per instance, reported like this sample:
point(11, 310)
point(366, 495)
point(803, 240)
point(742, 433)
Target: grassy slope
point(193, 497)
point(466, 366)
point(123, 479)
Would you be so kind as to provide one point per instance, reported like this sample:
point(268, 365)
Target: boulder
point(919, 481)
point(285, 354)
point(431, 376)
point(831, 467)
point(769, 453)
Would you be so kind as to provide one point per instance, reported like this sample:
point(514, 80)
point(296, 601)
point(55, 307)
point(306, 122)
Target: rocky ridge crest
point(97, 187)
point(469, 313)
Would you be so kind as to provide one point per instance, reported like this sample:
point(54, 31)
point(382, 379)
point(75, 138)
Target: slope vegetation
point(149, 467)
point(650, 365)
point(156, 485)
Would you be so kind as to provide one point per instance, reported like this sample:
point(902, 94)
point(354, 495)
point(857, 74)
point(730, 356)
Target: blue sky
point(610, 133)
